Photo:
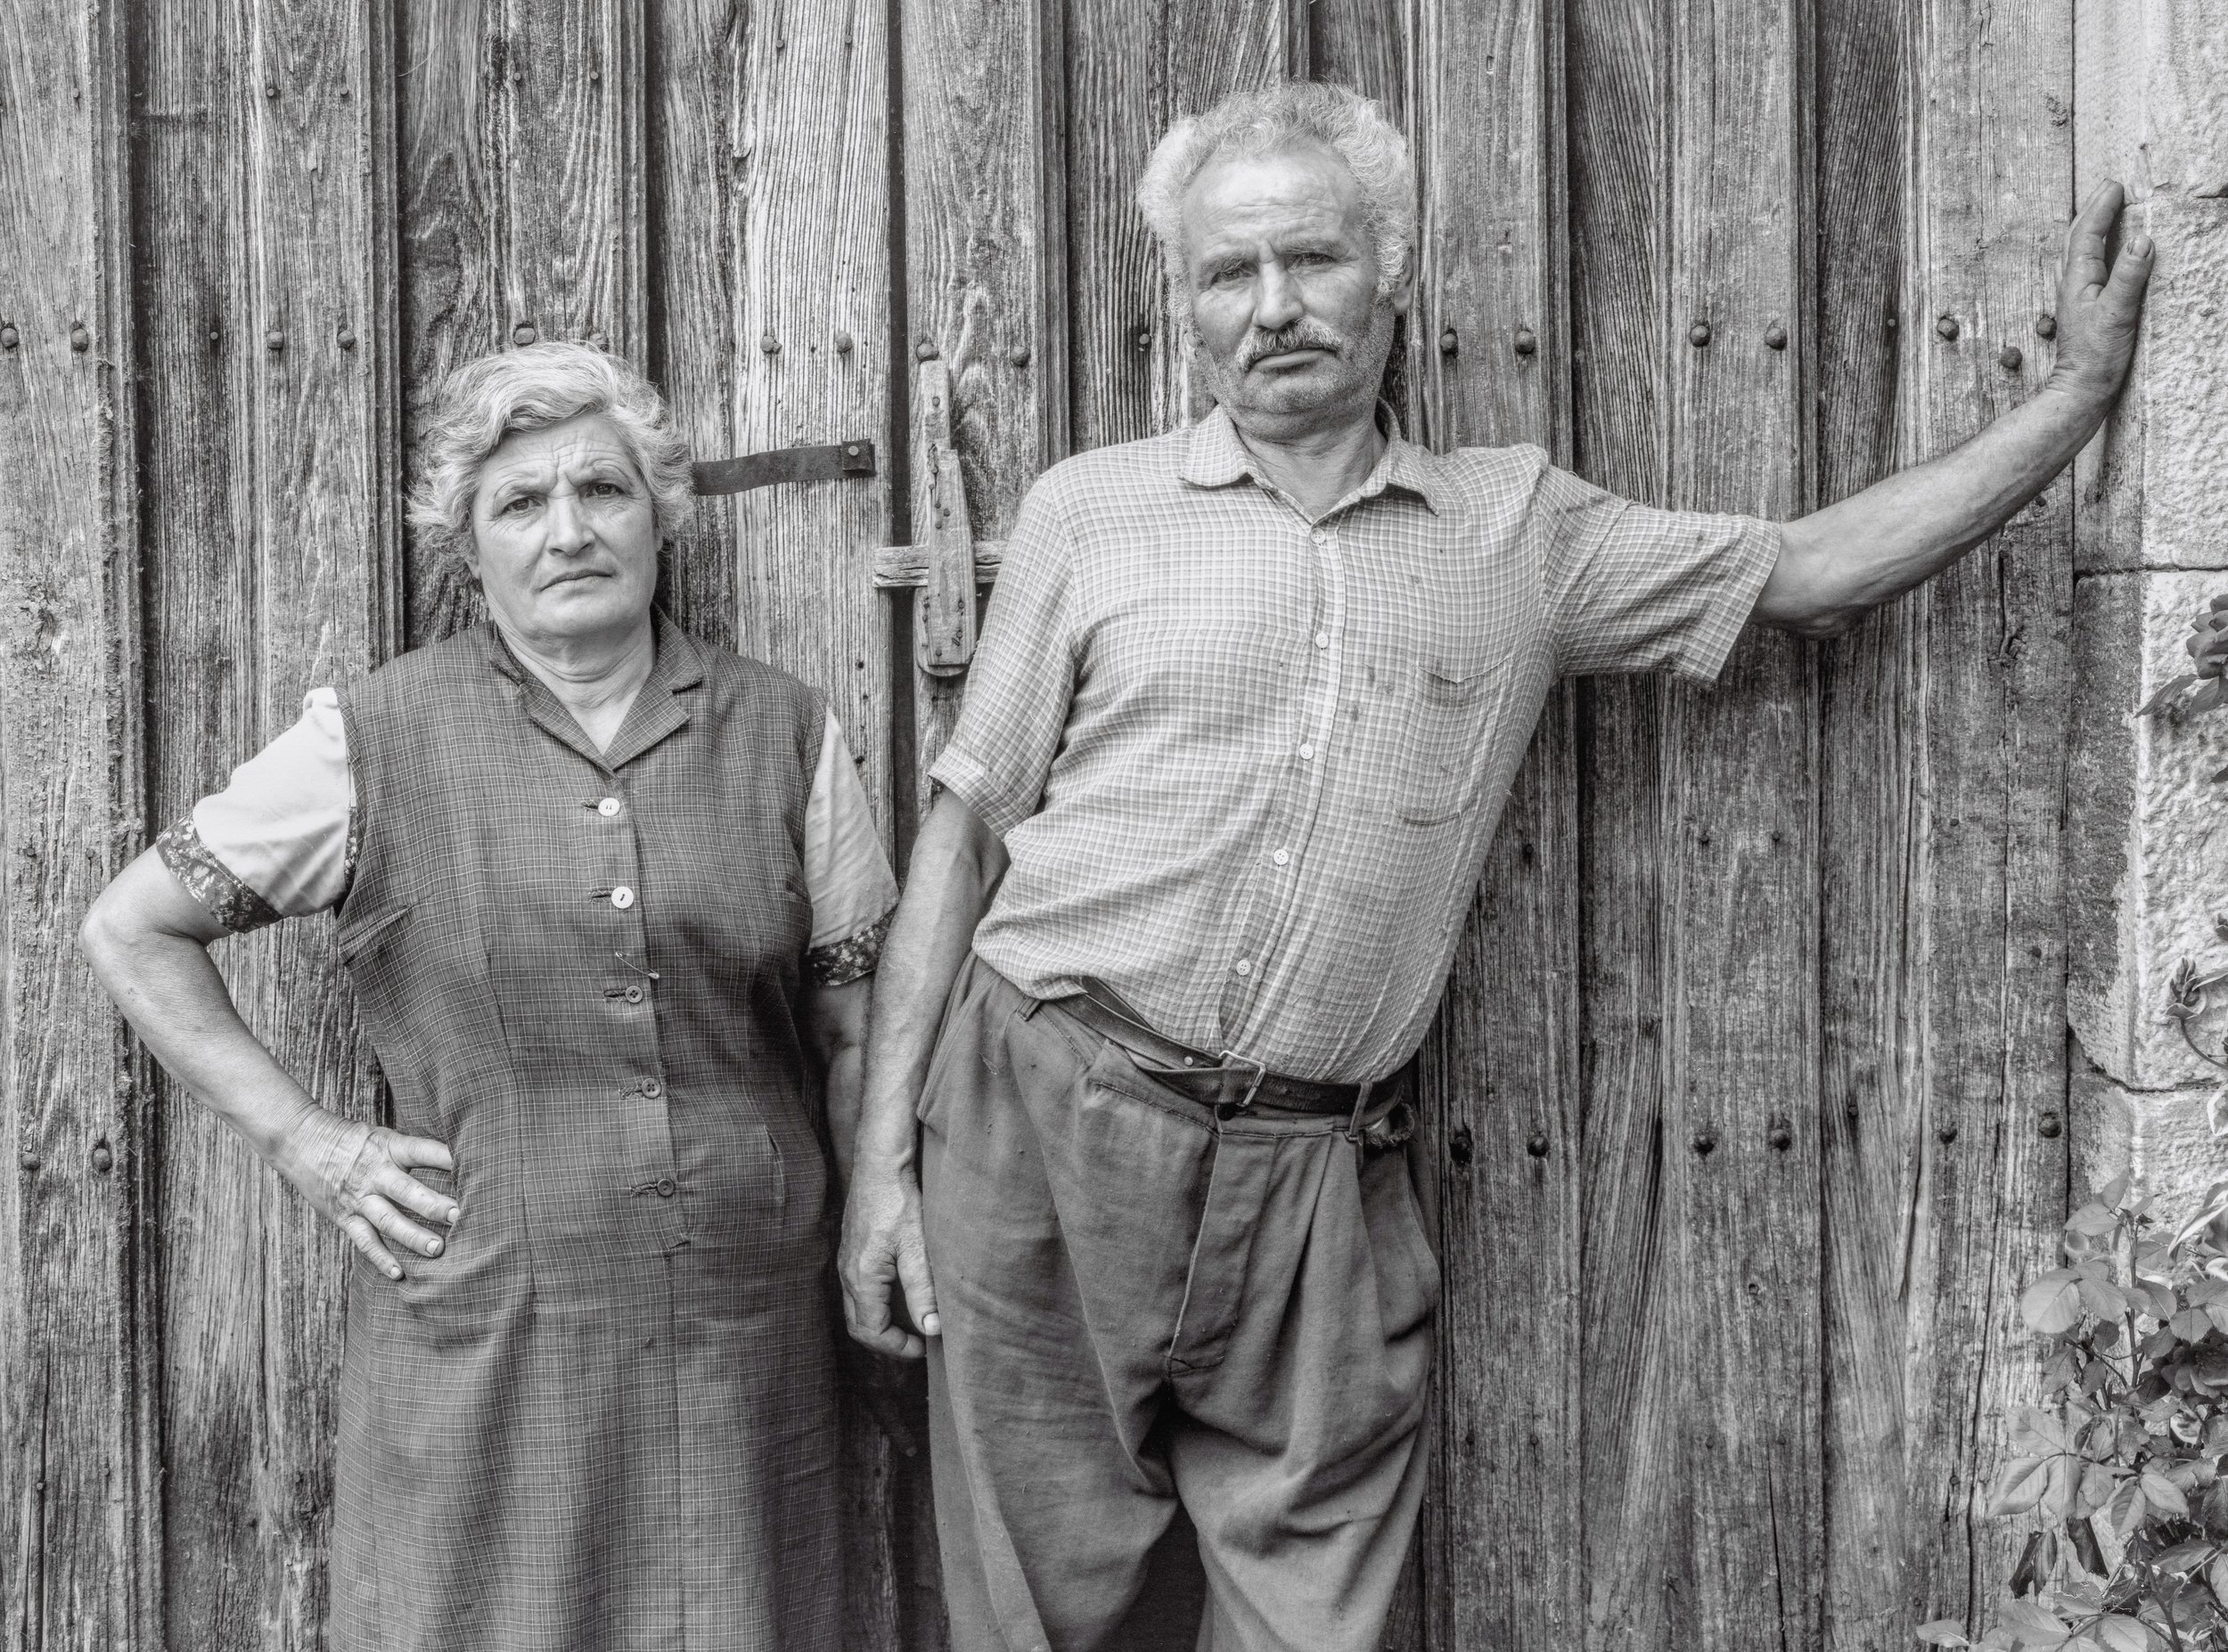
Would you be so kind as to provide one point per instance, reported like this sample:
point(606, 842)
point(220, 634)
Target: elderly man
point(1243, 715)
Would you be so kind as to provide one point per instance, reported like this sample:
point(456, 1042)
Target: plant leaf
point(2103, 1299)
point(2216, 1575)
point(1943, 1631)
point(2159, 702)
point(2032, 1625)
point(2161, 1493)
point(2191, 1323)
point(2092, 1220)
point(2121, 1633)
point(2021, 1484)
point(2051, 1304)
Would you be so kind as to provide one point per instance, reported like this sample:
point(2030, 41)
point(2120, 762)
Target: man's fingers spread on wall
point(365, 1239)
point(2131, 274)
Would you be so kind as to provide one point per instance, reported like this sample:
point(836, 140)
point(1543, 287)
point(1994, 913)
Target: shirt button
point(1320, 537)
point(1282, 857)
point(1307, 751)
point(1322, 639)
point(634, 994)
point(1244, 966)
point(667, 1187)
point(651, 1088)
point(622, 897)
point(608, 807)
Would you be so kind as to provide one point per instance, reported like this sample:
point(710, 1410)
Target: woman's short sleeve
point(846, 873)
point(279, 841)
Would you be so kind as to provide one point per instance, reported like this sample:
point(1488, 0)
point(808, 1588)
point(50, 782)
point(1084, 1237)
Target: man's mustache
point(1299, 335)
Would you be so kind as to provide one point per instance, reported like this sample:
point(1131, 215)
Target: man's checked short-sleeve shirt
point(1247, 765)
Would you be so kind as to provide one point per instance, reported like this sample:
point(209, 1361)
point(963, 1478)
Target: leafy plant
point(2124, 1464)
point(2204, 686)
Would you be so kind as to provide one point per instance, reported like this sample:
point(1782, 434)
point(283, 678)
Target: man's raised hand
point(2100, 298)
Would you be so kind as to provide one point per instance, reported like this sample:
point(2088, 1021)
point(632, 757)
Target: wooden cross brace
point(950, 561)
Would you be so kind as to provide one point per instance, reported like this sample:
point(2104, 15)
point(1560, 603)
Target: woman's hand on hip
point(883, 1253)
point(359, 1177)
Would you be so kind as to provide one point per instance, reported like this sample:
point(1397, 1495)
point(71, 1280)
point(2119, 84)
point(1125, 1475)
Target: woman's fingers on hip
point(406, 1193)
point(394, 1227)
point(365, 1239)
point(418, 1152)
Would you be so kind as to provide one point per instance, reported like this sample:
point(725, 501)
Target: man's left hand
point(2100, 299)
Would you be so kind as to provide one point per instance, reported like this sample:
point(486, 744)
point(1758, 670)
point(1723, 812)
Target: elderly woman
point(606, 895)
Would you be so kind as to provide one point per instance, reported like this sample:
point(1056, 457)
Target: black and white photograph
point(1113, 825)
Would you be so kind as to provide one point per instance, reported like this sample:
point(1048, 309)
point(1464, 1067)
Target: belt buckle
point(1230, 1058)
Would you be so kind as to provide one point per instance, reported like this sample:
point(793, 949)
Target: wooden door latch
point(950, 561)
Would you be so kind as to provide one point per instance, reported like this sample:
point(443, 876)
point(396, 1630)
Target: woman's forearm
point(956, 864)
point(148, 942)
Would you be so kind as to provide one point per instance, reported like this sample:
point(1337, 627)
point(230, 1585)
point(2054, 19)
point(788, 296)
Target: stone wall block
point(2148, 830)
point(2162, 1137)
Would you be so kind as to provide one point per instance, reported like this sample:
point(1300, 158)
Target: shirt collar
point(1217, 457)
point(679, 664)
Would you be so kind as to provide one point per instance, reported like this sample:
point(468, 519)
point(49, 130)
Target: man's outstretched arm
point(957, 861)
point(1875, 545)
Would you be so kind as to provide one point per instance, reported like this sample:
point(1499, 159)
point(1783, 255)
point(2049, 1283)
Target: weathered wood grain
point(1983, 1126)
point(521, 129)
point(1701, 1178)
point(985, 262)
point(1130, 75)
point(1618, 227)
point(1503, 1537)
point(1866, 1134)
point(265, 257)
point(79, 1546)
point(1741, 979)
point(770, 235)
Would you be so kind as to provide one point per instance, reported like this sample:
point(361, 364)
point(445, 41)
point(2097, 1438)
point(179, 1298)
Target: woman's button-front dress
point(604, 1416)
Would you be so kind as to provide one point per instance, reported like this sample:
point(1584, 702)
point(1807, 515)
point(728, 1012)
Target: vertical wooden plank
point(1739, 1008)
point(522, 201)
point(1618, 230)
point(1502, 1536)
point(770, 235)
point(1983, 1137)
point(79, 1566)
point(268, 326)
point(1129, 78)
point(986, 263)
point(1701, 1299)
point(1867, 1130)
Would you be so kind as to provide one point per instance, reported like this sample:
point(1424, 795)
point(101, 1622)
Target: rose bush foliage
point(2124, 1467)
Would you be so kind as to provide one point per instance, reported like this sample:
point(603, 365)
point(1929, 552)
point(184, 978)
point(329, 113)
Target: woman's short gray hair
point(531, 388)
point(1283, 115)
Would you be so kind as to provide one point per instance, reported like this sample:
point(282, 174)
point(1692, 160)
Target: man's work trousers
point(1142, 1302)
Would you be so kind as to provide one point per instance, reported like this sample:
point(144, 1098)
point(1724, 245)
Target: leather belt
point(1213, 1078)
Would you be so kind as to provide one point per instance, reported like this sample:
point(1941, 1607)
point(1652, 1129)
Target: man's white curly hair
point(1283, 115)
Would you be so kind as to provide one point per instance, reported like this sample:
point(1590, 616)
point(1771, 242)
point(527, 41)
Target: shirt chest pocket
point(1449, 708)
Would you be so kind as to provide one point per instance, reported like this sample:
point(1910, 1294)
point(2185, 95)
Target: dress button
point(651, 1088)
point(634, 994)
point(667, 1187)
point(622, 897)
point(608, 807)
point(1322, 639)
point(1244, 966)
point(1307, 751)
point(1282, 857)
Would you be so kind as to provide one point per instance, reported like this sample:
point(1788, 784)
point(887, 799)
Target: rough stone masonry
point(2148, 825)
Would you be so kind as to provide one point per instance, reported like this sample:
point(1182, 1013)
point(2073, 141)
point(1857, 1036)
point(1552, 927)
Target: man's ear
point(1401, 294)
